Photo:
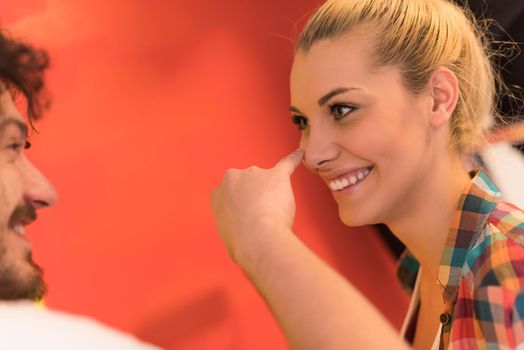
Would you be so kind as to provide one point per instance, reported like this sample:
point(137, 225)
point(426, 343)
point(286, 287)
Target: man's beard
point(16, 287)
point(13, 285)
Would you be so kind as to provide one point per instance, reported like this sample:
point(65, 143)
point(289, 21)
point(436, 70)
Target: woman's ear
point(444, 91)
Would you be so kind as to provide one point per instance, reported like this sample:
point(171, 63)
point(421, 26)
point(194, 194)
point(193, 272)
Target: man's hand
point(248, 200)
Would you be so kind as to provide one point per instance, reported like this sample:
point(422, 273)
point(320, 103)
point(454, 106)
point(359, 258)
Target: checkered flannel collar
point(477, 201)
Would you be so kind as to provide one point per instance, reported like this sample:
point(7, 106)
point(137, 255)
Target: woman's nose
point(319, 146)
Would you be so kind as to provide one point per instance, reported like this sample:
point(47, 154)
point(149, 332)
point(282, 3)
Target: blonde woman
point(389, 97)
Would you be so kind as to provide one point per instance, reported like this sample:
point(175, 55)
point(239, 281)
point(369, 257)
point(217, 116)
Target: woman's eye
point(300, 121)
point(340, 111)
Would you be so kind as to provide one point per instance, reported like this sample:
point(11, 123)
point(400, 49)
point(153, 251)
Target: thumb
point(290, 162)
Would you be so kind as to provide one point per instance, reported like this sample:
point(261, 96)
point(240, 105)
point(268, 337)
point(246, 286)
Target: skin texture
point(23, 191)
point(415, 180)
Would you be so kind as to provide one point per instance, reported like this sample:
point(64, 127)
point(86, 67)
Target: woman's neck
point(425, 227)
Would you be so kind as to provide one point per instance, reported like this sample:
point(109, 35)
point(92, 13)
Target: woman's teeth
point(341, 183)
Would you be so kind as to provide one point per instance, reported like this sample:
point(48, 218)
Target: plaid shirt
point(481, 271)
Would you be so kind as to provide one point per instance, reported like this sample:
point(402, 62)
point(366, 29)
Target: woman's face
point(367, 137)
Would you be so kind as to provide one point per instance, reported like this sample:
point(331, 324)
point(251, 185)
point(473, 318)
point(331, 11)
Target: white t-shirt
point(24, 325)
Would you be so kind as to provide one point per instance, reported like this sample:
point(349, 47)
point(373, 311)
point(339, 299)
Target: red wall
point(153, 100)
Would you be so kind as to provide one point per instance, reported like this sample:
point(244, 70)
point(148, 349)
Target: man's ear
point(444, 91)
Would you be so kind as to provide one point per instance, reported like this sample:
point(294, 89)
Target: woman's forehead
point(348, 53)
point(333, 63)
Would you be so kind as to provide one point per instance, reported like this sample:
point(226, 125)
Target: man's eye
point(300, 121)
point(15, 146)
point(340, 111)
point(27, 145)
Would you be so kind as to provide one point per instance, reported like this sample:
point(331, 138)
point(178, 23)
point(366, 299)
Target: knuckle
point(230, 174)
point(231, 171)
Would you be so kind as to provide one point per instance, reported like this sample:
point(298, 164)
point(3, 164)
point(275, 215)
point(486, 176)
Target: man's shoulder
point(27, 326)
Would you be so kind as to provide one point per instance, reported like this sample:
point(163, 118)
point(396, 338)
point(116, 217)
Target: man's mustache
point(24, 214)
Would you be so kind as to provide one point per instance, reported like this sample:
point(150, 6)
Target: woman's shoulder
point(496, 257)
point(506, 222)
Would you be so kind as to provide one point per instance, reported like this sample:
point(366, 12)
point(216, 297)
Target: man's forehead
point(8, 121)
point(8, 109)
point(9, 114)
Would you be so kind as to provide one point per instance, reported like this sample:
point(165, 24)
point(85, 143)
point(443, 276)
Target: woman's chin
point(354, 219)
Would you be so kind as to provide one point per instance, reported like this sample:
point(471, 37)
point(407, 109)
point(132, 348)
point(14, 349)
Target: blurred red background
point(153, 100)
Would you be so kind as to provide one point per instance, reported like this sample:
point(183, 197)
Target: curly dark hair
point(22, 71)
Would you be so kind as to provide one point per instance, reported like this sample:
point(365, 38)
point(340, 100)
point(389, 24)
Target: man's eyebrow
point(10, 121)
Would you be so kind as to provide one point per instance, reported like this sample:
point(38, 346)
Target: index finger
point(290, 162)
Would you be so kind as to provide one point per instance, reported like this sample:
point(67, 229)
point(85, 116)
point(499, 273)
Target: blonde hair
point(419, 37)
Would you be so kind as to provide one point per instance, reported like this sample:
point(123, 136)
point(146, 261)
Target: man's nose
point(39, 192)
point(319, 146)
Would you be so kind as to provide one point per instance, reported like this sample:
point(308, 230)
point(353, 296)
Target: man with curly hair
point(24, 191)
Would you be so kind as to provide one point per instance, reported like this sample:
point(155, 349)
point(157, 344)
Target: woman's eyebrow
point(295, 110)
point(337, 91)
point(324, 99)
